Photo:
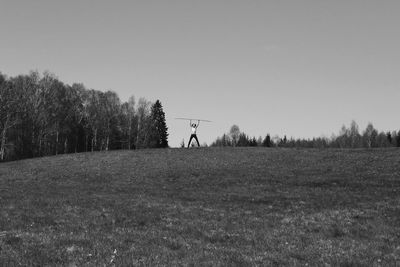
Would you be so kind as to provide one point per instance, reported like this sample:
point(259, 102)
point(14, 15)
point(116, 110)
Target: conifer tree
point(267, 141)
point(159, 130)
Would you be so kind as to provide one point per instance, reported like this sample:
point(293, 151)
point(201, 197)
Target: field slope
point(208, 206)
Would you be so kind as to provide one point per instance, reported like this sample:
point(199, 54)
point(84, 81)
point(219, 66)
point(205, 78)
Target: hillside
point(208, 206)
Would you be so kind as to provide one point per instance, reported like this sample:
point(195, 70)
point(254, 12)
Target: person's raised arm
point(198, 123)
point(190, 123)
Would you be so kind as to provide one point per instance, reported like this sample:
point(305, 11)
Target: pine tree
point(243, 140)
point(267, 141)
point(158, 129)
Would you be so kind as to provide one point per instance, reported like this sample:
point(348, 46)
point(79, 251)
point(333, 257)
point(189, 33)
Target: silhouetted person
point(194, 129)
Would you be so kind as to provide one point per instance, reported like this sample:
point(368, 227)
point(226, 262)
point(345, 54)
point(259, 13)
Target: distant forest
point(348, 137)
point(41, 116)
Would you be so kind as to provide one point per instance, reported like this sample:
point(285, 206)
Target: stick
point(188, 119)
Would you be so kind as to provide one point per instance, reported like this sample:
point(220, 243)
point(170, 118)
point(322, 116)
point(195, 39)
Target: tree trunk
point(40, 145)
point(66, 145)
point(129, 133)
point(108, 136)
point(138, 134)
point(86, 142)
point(57, 142)
point(3, 138)
point(94, 139)
point(33, 142)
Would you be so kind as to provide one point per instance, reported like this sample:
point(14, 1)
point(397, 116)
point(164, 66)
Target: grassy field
point(202, 207)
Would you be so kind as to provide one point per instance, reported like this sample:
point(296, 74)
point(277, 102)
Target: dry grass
point(201, 207)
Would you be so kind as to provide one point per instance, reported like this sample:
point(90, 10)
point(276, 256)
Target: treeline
point(40, 116)
point(348, 137)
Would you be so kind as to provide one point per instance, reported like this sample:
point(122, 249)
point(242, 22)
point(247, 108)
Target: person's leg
point(198, 144)
point(190, 140)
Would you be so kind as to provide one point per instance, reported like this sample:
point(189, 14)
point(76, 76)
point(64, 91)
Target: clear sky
point(300, 68)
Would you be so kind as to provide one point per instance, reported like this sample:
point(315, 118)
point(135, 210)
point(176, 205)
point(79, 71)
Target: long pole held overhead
point(189, 119)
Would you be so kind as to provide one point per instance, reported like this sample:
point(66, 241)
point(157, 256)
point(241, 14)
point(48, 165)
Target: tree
point(320, 142)
point(394, 139)
point(381, 140)
point(369, 136)
point(267, 141)
point(343, 137)
point(389, 137)
point(57, 111)
point(128, 122)
point(234, 134)
point(243, 140)
point(72, 123)
point(355, 137)
point(31, 124)
point(253, 141)
point(81, 114)
point(282, 142)
point(158, 131)
point(143, 115)
point(223, 141)
point(93, 116)
point(110, 110)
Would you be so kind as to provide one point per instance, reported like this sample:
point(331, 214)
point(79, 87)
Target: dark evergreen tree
point(243, 140)
point(267, 141)
point(158, 134)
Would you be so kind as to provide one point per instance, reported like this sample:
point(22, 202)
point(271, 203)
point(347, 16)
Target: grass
point(202, 207)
